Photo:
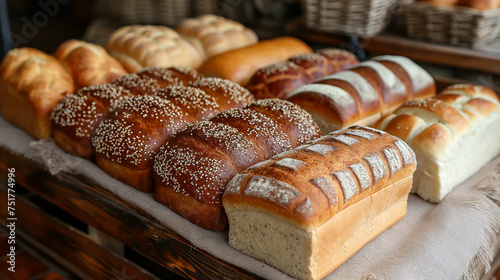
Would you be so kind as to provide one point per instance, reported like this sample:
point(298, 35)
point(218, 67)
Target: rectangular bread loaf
point(307, 211)
point(453, 135)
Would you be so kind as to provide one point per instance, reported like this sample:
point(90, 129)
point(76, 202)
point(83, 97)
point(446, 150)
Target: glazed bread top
point(312, 183)
point(88, 64)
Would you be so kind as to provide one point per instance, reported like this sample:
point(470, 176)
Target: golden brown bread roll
point(192, 169)
point(239, 65)
point(362, 94)
point(307, 211)
point(280, 79)
point(127, 141)
point(217, 34)
point(31, 84)
point(88, 64)
point(453, 134)
point(139, 46)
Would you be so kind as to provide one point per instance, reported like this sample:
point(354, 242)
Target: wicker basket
point(457, 26)
point(364, 18)
point(165, 12)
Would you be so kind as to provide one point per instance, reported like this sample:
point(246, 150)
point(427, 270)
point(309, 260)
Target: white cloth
point(444, 241)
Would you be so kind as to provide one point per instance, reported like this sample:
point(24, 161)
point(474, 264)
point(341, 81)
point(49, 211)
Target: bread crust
point(279, 80)
point(320, 202)
point(217, 34)
point(88, 64)
point(196, 164)
point(363, 93)
point(139, 46)
point(451, 133)
point(32, 82)
point(240, 64)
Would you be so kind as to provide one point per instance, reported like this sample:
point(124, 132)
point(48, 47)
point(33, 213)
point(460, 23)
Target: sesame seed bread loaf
point(192, 169)
point(364, 93)
point(31, 84)
point(453, 134)
point(217, 34)
point(139, 46)
point(239, 65)
point(75, 118)
point(280, 79)
point(88, 64)
point(307, 211)
point(127, 141)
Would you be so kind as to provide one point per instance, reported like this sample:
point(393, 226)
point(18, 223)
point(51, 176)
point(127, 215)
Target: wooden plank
point(397, 44)
point(91, 260)
point(99, 208)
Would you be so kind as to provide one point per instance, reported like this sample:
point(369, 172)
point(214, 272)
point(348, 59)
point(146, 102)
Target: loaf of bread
point(240, 65)
point(31, 84)
point(453, 134)
point(217, 34)
point(280, 79)
point(127, 141)
point(193, 168)
point(88, 64)
point(364, 93)
point(139, 46)
point(75, 118)
point(307, 211)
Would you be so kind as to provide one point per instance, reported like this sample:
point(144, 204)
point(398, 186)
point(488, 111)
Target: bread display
point(240, 65)
point(31, 84)
point(280, 79)
point(88, 64)
point(127, 141)
point(217, 34)
point(305, 212)
point(364, 93)
point(75, 118)
point(139, 46)
point(192, 169)
point(453, 134)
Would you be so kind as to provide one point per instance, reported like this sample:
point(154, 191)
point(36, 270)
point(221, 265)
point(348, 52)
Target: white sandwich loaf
point(307, 211)
point(453, 134)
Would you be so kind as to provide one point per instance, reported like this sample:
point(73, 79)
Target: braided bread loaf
point(453, 134)
point(280, 79)
point(139, 46)
point(75, 118)
point(361, 95)
point(31, 84)
point(307, 211)
point(192, 169)
point(126, 142)
point(88, 64)
point(217, 34)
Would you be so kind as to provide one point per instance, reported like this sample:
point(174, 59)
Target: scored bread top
point(432, 124)
point(217, 34)
point(139, 46)
point(310, 184)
